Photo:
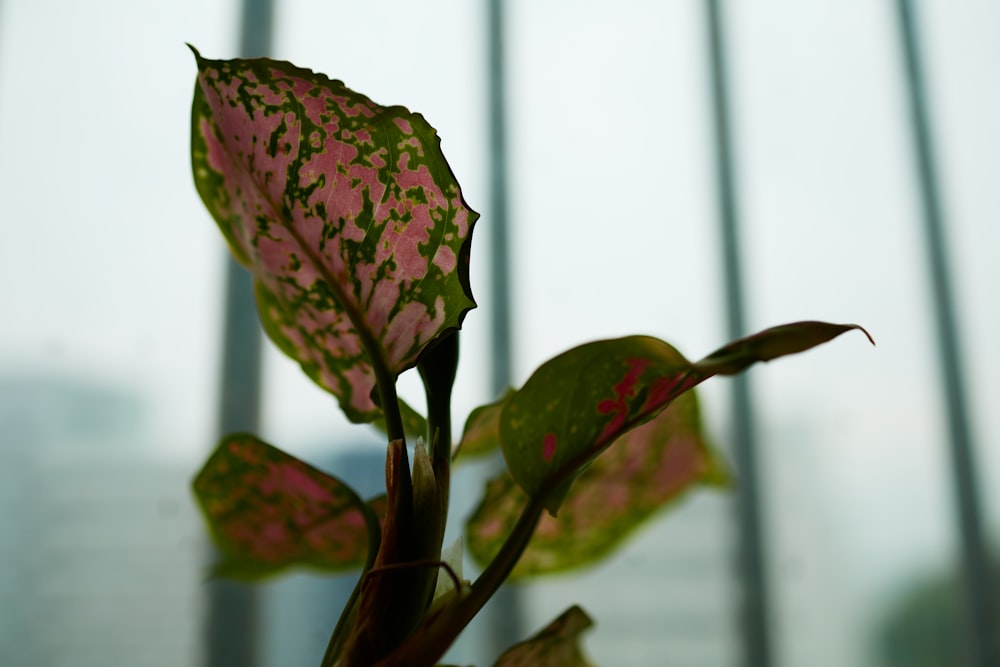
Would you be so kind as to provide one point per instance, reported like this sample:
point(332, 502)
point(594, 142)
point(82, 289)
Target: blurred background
point(686, 169)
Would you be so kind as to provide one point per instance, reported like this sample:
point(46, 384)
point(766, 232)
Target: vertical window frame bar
point(755, 609)
point(980, 646)
point(506, 608)
point(233, 622)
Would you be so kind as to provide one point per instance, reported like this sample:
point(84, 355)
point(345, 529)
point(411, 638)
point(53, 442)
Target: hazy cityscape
point(104, 558)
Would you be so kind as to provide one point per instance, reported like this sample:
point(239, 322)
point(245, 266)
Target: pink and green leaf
point(578, 403)
point(346, 213)
point(268, 511)
point(555, 646)
point(575, 405)
point(645, 470)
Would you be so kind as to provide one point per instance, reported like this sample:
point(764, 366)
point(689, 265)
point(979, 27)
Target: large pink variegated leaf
point(576, 404)
point(645, 469)
point(555, 646)
point(346, 213)
point(269, 511)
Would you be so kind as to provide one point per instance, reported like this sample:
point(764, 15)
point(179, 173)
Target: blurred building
point(100, 545)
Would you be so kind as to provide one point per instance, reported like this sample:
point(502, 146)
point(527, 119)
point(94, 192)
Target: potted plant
point(358, 237)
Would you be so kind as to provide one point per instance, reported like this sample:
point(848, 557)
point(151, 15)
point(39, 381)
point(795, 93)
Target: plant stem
point(430, 643)
point(503, 563)
point(385, 384)
point(437, 367)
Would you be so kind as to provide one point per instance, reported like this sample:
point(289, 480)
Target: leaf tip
point(865, 332)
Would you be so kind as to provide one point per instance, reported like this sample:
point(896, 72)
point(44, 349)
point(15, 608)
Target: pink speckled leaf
point(555, 646)
point(346, 213)
point(269, 511)
point(576, 404)
point(645, 470)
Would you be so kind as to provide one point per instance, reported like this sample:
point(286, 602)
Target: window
point(112, 275)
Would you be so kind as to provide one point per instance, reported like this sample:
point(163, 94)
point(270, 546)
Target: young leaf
point(643, 471)
point(555, 646)
point(576, 404)
point(770, 344)
point(268, 511)
point(346, 213)
point(481, 435)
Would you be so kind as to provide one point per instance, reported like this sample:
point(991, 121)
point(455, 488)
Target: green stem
point(437, 367)
point(503, 563)
point(385, 384)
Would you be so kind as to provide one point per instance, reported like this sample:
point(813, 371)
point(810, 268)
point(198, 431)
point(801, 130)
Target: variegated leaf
point(555, 646)
point(268, 511)
point(645, 470)
point(576, 404)
point(345, 211)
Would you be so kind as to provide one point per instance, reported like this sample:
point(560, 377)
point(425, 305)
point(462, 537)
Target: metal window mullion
point(232, 627)
point(499, 222)
point(754, 613)
point(981, 645)
point(506, 608)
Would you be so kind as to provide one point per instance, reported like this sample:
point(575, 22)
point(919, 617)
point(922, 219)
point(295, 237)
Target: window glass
point(111, 276)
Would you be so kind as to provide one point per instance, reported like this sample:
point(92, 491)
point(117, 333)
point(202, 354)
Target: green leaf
point(555, 646)
point(576, 404)
point(268, 511)
point(646, 469)
point(346, 213)
point(770, 344)
point(481, 435)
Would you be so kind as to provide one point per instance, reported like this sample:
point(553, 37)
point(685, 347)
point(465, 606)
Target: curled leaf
point(555, 646)
point(772, 343)
point(269, 511)
point(446, 586)
point(346, 213)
